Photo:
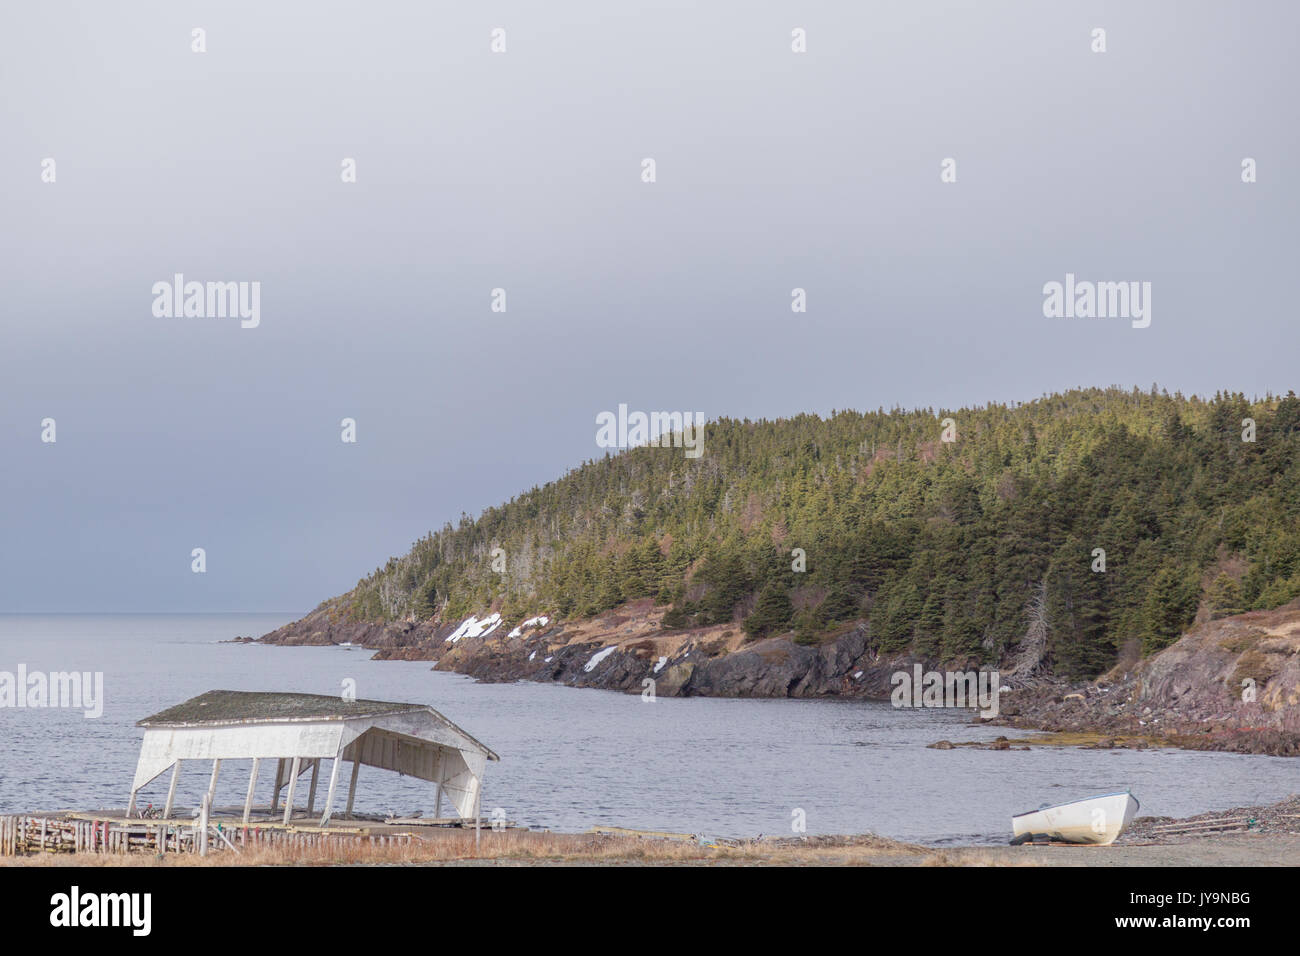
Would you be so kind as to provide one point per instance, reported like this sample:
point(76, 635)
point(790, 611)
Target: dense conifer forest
point(964, 551)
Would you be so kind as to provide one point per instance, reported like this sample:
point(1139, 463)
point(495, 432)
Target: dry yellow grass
point(547, 849)
point(524, 848)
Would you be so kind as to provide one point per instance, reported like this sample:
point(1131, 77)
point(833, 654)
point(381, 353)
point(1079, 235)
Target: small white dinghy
point(1095, 820)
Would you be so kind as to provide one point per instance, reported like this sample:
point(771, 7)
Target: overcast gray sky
point(522, 171)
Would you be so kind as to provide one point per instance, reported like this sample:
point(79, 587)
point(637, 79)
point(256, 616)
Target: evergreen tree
point(772, 613)
point(1170, 607)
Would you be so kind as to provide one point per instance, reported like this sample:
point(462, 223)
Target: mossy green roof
point(252, 707)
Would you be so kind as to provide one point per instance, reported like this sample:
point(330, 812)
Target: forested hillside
point(978, 550)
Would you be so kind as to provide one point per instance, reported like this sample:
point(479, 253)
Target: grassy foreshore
point(1272, 839)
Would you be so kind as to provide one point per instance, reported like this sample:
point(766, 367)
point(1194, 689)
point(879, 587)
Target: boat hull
point(1094, 820)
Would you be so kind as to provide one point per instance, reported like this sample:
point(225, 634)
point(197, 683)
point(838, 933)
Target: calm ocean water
point(574, 758)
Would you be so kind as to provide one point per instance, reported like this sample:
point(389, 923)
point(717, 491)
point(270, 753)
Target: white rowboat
point(1095, 820)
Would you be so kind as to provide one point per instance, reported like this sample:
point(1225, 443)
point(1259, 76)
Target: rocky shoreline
point(1282, 817)
point(1231, 684)
point(619, 651)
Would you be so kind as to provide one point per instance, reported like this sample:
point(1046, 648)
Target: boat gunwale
point(1100, 796)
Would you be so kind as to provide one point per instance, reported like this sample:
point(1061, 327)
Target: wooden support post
point(437, 800)
point(293, 783)
point(329, 793)
point(130, 805)
point(311, 792)
point(204, 810)
point(279, 782)
point(171, 791)
point(352, 784)
point(212, 784)
point(478, 811)
point(252, 785)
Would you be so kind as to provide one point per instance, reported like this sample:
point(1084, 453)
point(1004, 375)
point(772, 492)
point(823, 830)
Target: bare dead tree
point(1033, 646)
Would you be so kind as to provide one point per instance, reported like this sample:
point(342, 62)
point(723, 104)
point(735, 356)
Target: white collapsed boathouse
point(298, 731)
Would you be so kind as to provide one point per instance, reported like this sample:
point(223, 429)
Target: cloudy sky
point(523, 171)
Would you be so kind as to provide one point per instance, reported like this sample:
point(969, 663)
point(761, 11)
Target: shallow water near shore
point(575, 758)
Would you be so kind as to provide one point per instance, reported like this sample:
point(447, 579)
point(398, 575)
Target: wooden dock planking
point(486, 822)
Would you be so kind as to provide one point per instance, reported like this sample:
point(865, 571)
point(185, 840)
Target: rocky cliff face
point(1230, 684)
point(621, 650)
point(1227, 684)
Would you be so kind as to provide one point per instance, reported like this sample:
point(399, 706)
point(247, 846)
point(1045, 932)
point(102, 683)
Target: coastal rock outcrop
point(622, 651)
point(1228, 684)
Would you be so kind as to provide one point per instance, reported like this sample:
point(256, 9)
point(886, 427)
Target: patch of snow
point(858, 675)
point(473, 627)
point(540, 621)
point(532, 655)
point(660, 665)
point(461, 631)
point(598, 657)
point(547, 660)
